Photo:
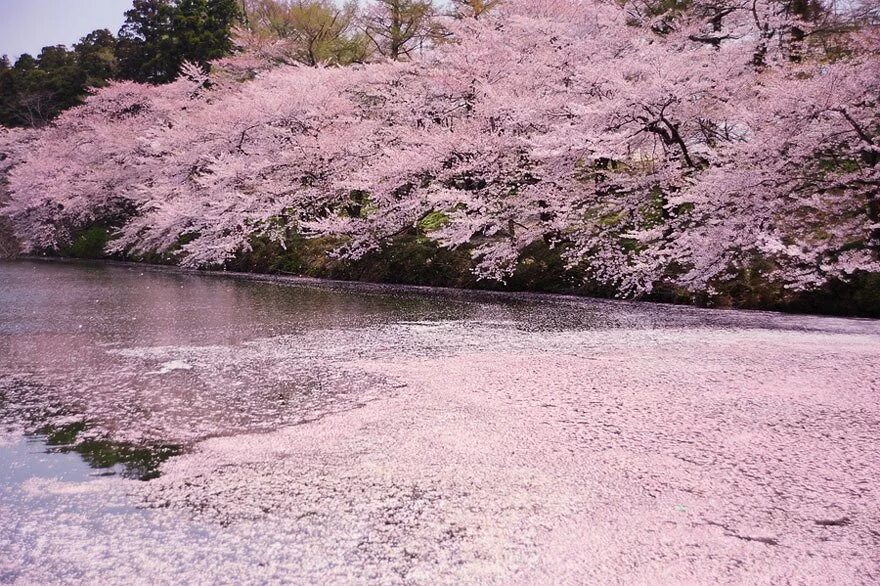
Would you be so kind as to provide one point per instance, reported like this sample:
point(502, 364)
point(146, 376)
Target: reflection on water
point(24, 458)
point(130, 461)
point(61, 431)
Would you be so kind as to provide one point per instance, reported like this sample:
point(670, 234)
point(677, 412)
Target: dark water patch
point(139, 462)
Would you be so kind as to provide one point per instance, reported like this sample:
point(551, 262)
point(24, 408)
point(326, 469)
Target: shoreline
point(446, 292)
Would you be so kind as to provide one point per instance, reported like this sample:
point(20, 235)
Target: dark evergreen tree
point(35, 90)
point(159, 35)
point(96, 56)
point(203, 28)
point(146, 48)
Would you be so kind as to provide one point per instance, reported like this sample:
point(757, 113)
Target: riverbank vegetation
point(711, 151)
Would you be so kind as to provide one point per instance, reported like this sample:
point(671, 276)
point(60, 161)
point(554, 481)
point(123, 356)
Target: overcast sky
point(26, 26)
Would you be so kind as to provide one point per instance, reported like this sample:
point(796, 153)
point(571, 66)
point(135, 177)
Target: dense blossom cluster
point(679, 148)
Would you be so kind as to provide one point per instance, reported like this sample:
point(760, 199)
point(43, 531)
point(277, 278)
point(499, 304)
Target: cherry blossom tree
point(649, 146)
point(95, 162)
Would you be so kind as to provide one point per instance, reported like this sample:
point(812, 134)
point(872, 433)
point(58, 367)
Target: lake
point(163, 426)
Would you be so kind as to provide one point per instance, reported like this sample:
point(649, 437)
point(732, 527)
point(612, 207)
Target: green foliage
point(89, 244)
point(313, 31)
point(63, 435)
point(359, 205)
point(838, 165)
point(411, 258)
point(609, 219)
point(433, 221)
point(35, 90)
point(9, 246)
point(541, 267)
point(146, 49)
point(159, 35)
point(859, 295)
point(301, 256)
point(753, 287)
point(749, 286)
point(96, 57)
point(654, 210)
point(202, 29)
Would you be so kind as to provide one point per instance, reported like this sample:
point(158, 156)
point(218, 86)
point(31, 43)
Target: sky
point(26, 26)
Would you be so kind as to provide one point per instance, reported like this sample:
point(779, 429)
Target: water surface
point(184, 427)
